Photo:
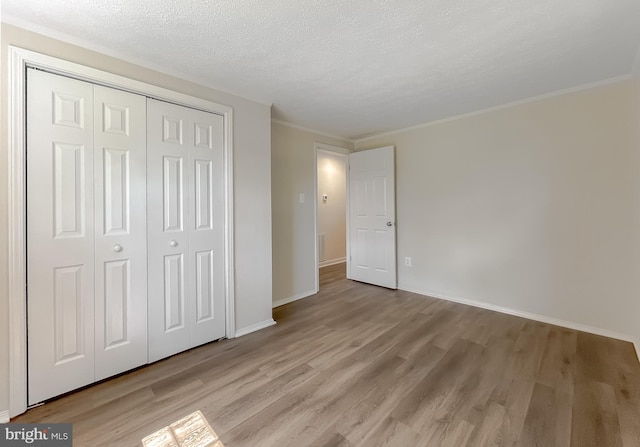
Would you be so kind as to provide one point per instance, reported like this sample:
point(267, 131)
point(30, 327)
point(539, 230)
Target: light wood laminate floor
point(359, 365)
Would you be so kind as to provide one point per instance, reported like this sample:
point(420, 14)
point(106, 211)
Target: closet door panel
point(167, 228)
point(206, 235)
point(60, 233)
point(120, 237)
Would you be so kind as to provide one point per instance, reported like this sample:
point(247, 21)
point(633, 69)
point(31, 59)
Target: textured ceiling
point(360, 67)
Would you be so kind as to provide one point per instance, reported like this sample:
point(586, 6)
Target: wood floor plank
point(626, 385)
point(564, 415)
point(330, 439)
point(228, 414)
point(540, 423)
point(557, 366)
point(294, 409)
point(523, 362)
point(429, 398)
point(359, 365)
point(592, 347)
point(357, 422)
point(595, 416)
point(330, 407)
point(392, 433)
point(490, 431)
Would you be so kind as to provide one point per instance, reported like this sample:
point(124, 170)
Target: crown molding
point(500, 107)
point(307, 129)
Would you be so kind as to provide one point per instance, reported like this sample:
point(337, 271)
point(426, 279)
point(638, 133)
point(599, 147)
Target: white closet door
point(60, 234)
point(86, 233)
point(206, 234)
point(167, 228)
point(120, 231)
point(185, 228)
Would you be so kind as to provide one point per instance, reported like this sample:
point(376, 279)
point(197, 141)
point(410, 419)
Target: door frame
point(344, 152)
point(19, 60)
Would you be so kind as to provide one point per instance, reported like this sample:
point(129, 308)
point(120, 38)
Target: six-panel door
point(60, 233)
point(372, 226)
point(185, 228)
point(120, 231)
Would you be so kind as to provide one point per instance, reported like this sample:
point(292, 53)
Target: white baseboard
point(332, 262)
point(293, 298)
point(4, 416)
point(255, 327)
point(532, 316)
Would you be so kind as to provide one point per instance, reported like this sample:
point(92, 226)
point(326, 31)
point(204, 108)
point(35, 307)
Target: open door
point(372, 211)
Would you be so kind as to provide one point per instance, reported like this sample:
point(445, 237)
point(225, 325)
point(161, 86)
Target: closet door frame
point(19, 60)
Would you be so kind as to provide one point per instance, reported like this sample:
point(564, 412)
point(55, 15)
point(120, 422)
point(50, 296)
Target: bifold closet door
point(185, 228)
point(86, 254)
point(60, 254)
point(120, 231)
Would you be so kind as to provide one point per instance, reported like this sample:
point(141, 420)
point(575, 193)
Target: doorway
point(331, 213)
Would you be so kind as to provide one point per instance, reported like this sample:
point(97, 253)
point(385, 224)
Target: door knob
point(117, 248)
point(389, 224)
point(173, 243)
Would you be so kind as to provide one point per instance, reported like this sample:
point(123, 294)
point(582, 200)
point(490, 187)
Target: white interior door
point(185, 228)
point(372, 226)
point(120, 231)
point(60, 234)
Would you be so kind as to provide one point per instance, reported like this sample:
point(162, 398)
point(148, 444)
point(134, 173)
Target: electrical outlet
point(407, 261)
